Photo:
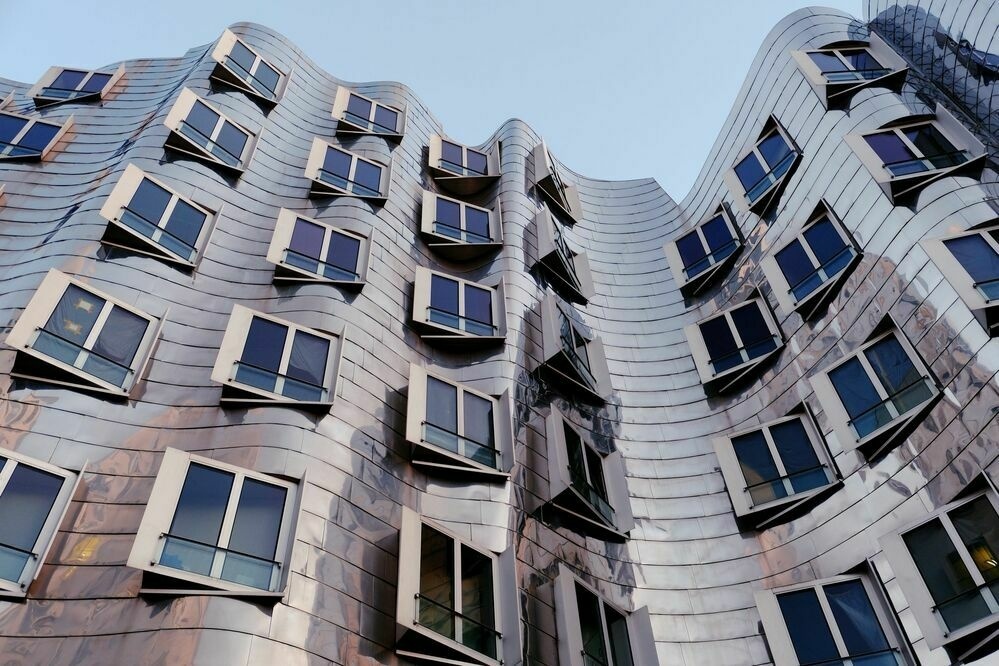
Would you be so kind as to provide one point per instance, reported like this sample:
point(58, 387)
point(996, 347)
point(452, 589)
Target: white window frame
point(836, 413)
point(119, 199)
point(570, 269)
point(416, 416)
point(435, 330)
point(181, 143)
point(159, 514)
point(692, 286)
point(548, 182)
point(46, 536)
point(317, 157)
point(5, 151)
point(281, 238)
point(52, 73)
point(230, 76)
point(36, 314)
point(461, 184)
point(984, 310)
point(454, 248)
point(231, 350)
point(552, 313)
point(761, 204)
point(837, 94)
point(349, 127)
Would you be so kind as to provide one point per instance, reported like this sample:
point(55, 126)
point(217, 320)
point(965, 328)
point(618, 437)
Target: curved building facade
point(289, 375)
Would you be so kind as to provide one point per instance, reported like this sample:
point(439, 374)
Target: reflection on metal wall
point(687, 560)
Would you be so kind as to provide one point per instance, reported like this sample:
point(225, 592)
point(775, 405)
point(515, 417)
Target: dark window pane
point(588, 608)
point(574, 452)
point(774, 149)
point(758, 468)
point(479, 420)
point(889, 147)
point(186, 222)
point(242, 56)
point(692, 251)
point(595, 467)
point(437, 582)
point(25, 505)
point(718, 237)
point(343, 252)
point(307, 362)
point(824, 241)
point(451, 152)
point(264, 344)
point(257, 525)
point(796, 266)
point(149, 201)
point(10, 126)
point(855, 617)
point(369, 176)
point(798, 456)
point(442, 405)
point(478, 304)
point(978, 526)
point(38, 136)
point(307, 241)
point(928, 139)
point(337, 162)
point(810, 635)
point(202, 504)
point(386, 120)
point(476, 162)
point(720, 344)
point(267, 76)
point(232, 139)
point(359, 107)
point(854, 388)
point(976, 256)
point(68, 79)
point(75, 314)
point(861, 59)
point(900, 378)
point(757, 339)
point(477, 222)
point(96, 83)
point(750, 171)
point(443, 294)
point(119, 339)
point(617, 631)
point(827, 62)
point(448, 213)
point(477, 601)
point(202, 119)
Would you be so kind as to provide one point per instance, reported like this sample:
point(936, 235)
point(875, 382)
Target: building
point(290, 376)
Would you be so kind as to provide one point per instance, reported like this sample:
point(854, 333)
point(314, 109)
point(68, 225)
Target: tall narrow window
point(242, 67)
point(310, 250)
point(338, 172)
point(453, 307)
point(550, 186)
point(760, 174)
point(570, 354)
point(970, 261)
point(61, 84)
point(200, 130)
point(704, 253)
point(26, 138)
point(569, 270)
point(357, 114)
point(461, 169)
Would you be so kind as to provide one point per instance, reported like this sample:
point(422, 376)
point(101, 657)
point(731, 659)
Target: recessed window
point(728, 345)
point(454, 427)
point(72, 334)
point(265, 359)
point(199, 129)
point(216, 526)
point(806, 270)
point(242, 67)
point(970, 260)
point(704, 253)
point(573, 358)
point(450, 307)
point(34, 497)
point(146, 215)
point(760, 174)
point(357, 114)
point(454, 599)
point(871, 394)
point(569, 270)
point(548, 181)
point(61, 84)
point(304, 249)
point(459, 230)
point(26, 138)
point(461, 169)
point(839, 70)
point(338, 172)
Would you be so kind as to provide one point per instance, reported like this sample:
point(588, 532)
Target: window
point(26, 138)
point(970, 260)
point(569, 270)
point(243, 68)
point(594, 632)
point(839, 70)
point(458, 230)
point(304, 249)
point(770, 469)
point(357, 114)
point(460, 169)
point(264, 359)
point(449, 307)
point(908, 154)
point(34, 497)
point(200, 130)
point(870, 395)
point(146, 215)
point(573, 359)
point(759, 176)
point(728, 345)
point(547, 180)
point(61, 84)
point(947, 567)
point(338, 172)
point(704, 253)
point(216, 526)
point(804, 272)
point(838, 620)
point(454, 427)
point(75, 335)
point(454, 599)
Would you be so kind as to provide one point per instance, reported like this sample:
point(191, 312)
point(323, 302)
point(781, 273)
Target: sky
point(618, 88)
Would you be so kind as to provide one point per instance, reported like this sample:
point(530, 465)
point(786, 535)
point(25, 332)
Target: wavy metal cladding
point(686, 559)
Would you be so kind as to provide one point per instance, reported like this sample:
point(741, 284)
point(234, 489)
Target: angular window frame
point(461, 184)
point(692, 286)
point(6, 149)
point(985, 310)
point(319, 187)
point(179, 142)
point(119, 234)
point(231, 351)
point(158, 518)
point(229, 75)
point(548, 182)
point(594, 384)
point(764, 201)
point(37, 92)
point(34, 317)
point(437, 331)
point(570, 270)
point(350, 128)
point(836, 94)
point(431, 456)
point(284, 272)
point(454, 248)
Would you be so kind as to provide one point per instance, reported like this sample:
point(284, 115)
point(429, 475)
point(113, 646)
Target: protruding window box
point(704, 254)
point(336, 172)
point(356, 114)
point(569, 270)
point(456, 603)
point(145, 215)
point(23, 138)
point(762, 172)
point(806, 272)
point(908, 154)
point(266, 360)
point(242, 67)
point(460, 231)
point(307, 250)
point(548, 182)
point(456, 429)
point(836, 72)
point(731, 346)
point(873, 396)
point(571, 359)
point(462, 170)
point(73, 335)
point(200, 130)
point(449, 309)
point(775, 471)
point(59, 85)
point(970, 261)
point(587, 488)
point(216, 529)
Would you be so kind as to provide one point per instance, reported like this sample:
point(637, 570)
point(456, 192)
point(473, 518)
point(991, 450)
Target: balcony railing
point(70, 352)
point(927, 163)
point(276, 382)
point(862, 658)
point(208, 144)
point(459, 322)
point(216, 562)
point(577, 361)
point(51, 92)
point(258, 85)
point(784, 481)
point(314, 265)
point(459, 627)
point(744, 354)
point(347, 185)
point(13, 150)
point(594, 498)
point(961, 617)
point(460, 169)
point(156, 233)
point(467, 448)
point(989, 289)
point(807, 284)
point(891, 408)
point(464, 235)
point(848, 75)
point(367, 124)
point(12, 562)
point(565, 256)
point(711, 258)
point(761, 186)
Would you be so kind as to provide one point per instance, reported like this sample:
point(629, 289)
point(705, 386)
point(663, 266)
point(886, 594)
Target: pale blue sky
point(618, 88)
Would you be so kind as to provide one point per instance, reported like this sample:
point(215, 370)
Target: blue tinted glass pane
point(826, 62)
point(797, 266)
point(892, 365)
point(826, 244)
point(185, 223)
point(796, 452)
point(307, 367)
point(774, 149)
point(264, 344)
point(928, 139)
point(758, 468)
point(889, 147)
point(691, 251)
point(977, 257)
point(118, 341)
point(96, 83)
point(451, 152)
point(25, 505)
point(232, 140)
point(202, 119)
point(855, 617)
point(442, 401)
point(750, 171)
point(806, 624)
point(448, 213)
point(68, 79)
point(358, 106)
point(10, 126)
point(149, 201)
point(854, 388)
point(257, 525)
point(243, 56)
point(718, 237)
point(978, 526)
point(479, 420)
point(306, 241)
point(202, 503)
point(38, 136)
point(476, 162)
point(478, 304)
point(861, 59)
point(337, 162)
point(75, 314)
point(267, 76)
point(387, 120)
point(721, 345)
point(443, 294)
point(477, 222)
point(756, 336)
point(343, 252)
point(369, 176)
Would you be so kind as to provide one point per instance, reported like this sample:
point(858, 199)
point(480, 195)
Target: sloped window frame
point(762, 202)
point(696, 284)
point(459, 248)
point(462, 184)
point(41, 99)
point(320, 187)
point(985, 310)
point(281, 239)
point(435, 330)
point(7, 149)
point(351, 127)
point(836, 94)
point(553, 315)
point(181, 143)
point(231, 75)
point(570, 269)
point(548, 182)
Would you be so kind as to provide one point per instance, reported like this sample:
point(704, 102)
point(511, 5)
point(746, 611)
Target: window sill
point(320, 188)
point(284, 273)
point(181, 144)
point(227, 76)
point(436, 458)
point(345, 127)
